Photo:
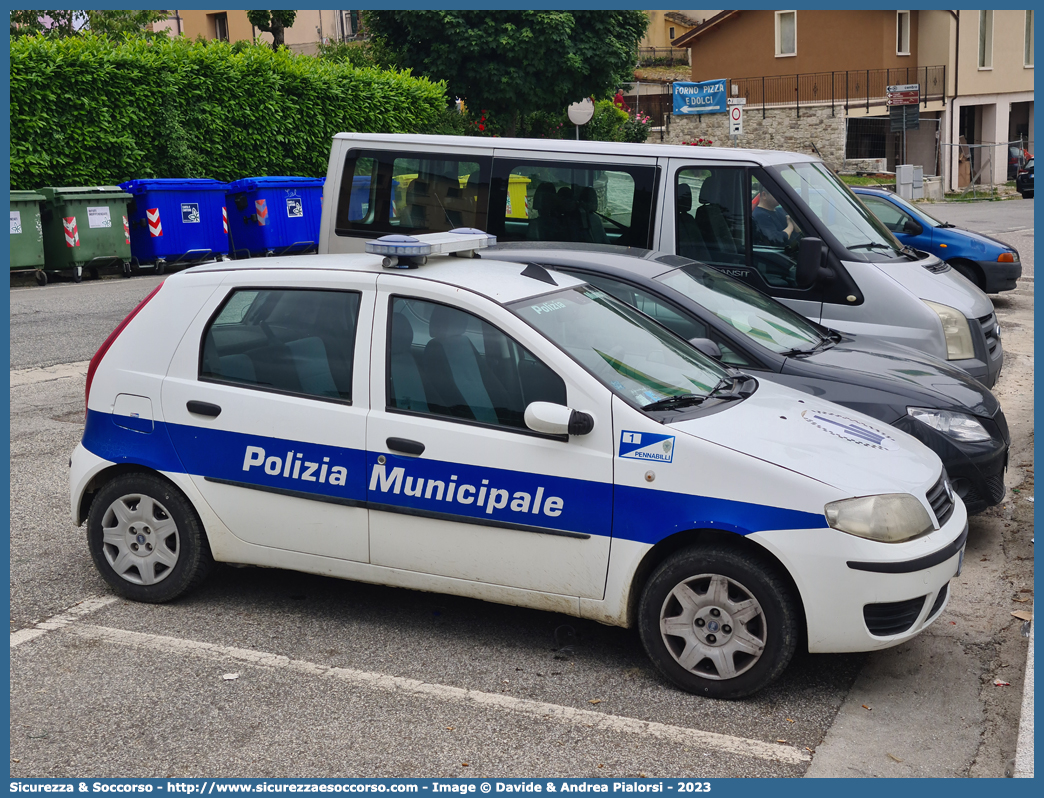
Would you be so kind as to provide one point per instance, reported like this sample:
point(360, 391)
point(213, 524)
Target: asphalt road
point(272, 673)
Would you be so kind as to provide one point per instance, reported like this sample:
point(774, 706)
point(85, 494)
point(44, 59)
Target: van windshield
point(840, 211)
point(627, 351)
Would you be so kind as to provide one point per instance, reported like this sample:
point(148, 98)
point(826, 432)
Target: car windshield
point(840, 211)
point(759, 317)
point(917, 213)
point(630, 353)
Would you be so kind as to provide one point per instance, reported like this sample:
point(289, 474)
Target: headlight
point(958, 426)
point(957, 332)
point(889, 517)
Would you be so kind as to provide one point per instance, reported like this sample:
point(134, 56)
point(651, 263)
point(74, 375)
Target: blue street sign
point(707, 97)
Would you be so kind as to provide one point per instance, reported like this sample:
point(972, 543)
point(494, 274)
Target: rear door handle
point(203, 409)
point(405, 445)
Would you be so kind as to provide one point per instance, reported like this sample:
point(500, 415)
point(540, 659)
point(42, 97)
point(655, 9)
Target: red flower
point(482, 127)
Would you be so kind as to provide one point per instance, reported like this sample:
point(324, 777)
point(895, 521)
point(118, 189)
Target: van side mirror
point(707, 346)
point(552, 419)
point(913, 228)
point(812, 265)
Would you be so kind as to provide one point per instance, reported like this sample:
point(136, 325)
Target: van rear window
point(405, 192)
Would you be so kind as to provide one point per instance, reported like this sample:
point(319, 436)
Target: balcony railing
point(850, 89)
point(662, 56)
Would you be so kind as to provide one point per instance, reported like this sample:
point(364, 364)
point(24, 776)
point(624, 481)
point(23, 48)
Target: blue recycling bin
point(174, 221)
point(274, 215)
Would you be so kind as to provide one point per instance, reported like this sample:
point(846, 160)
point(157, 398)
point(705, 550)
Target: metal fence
point(871, 137)
point(652, 99)
point(978, 164)
point(852, 88)
point(662, 56)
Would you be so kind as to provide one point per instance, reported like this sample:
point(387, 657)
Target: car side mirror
point(552, 419)
point(910, 227)
point(707, 346)
point(812, 265)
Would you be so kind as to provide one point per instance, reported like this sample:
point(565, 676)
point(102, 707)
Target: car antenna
point(538, 272)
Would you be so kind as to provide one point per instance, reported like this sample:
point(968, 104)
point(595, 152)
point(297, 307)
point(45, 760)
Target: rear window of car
point(288, 340)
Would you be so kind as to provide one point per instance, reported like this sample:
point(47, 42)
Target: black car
point(951, 413)
point(1024, 180)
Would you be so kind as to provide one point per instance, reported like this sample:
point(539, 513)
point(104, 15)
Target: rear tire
point(718, 622)
point(146, 539)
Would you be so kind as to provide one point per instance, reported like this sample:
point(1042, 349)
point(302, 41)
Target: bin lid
point(142, 185)
point(63, 193)
point(26, 196)
point(254, 183)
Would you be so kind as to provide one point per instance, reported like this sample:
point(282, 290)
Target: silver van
point(780, 221)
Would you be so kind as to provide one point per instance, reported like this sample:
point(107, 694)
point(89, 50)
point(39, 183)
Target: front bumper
point(862, 595)
point(975, 469)
point(999, 276)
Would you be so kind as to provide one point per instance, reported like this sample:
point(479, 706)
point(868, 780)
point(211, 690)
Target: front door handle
point(203, 409)
point(405, 445)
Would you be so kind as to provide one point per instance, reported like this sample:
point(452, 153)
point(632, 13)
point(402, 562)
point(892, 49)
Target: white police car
point(491, 430)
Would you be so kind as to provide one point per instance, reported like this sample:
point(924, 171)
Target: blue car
point(988, 263)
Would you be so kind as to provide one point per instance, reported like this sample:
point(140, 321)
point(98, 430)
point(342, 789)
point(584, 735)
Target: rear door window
point(566, 201)
point(407, 192)
point(293, 341)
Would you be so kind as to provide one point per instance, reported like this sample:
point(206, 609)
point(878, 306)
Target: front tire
point(146, 539)
point(971, 273)
point(718, 622)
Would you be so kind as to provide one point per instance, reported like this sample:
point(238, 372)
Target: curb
point(1024, 747)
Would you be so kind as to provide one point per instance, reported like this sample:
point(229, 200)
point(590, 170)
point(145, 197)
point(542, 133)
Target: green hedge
point(87, 112)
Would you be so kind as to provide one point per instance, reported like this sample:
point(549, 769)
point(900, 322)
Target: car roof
point(452, 143)
point(646, 263)
point(500, 281)
point(880, 192)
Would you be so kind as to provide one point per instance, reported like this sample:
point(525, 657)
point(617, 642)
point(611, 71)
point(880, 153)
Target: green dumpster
point(27, 251)
point(85, 227)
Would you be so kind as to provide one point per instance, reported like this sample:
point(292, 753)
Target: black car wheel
point(970, 272)
point(146, 539)
point(718, 622)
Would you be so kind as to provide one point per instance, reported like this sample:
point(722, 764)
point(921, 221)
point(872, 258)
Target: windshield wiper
point(872, 245)
point(947, 224)
point(823, 342)
point(687, 400)
point(672, 402)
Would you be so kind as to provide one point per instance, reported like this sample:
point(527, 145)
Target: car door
point(266, 402)
point(714, 222)
point(457, 485)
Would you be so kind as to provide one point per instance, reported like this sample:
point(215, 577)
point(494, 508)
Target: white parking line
point(64, 618)
point(397, 684)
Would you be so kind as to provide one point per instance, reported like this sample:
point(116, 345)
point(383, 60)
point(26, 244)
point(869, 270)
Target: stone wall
point(781, 129)
point(871, 165)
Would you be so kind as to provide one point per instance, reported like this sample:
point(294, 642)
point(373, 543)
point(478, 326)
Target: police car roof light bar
point(462, 239)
